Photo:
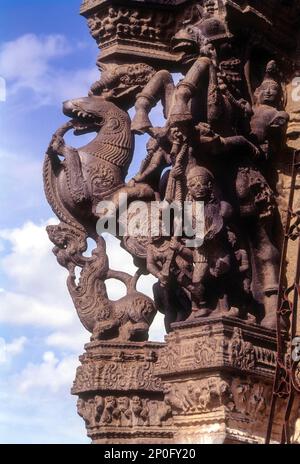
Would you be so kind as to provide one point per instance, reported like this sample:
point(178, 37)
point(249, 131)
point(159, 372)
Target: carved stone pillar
point(232, 128)
point(210, 383)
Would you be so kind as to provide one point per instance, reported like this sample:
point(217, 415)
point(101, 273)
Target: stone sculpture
point(224, 136)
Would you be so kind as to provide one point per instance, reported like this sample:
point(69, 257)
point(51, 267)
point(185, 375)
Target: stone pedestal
point(120, 398)
point(211, 382)
point(221, 370)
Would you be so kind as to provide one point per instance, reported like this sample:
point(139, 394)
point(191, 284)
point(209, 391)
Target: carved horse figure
point(75, 185)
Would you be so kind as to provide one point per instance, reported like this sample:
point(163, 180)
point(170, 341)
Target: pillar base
point(209, 383)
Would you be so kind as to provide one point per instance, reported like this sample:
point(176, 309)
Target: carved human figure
point(214, 391)
point(95, 25)
point(211, 259)
point(241, 352)
point(211, 89)
point(99, 404)
point(242, 275)
point(135, 23)
point(140, 411)
point(241, 392)
point(85, 409)
point(171, 263)
point(123, 412)
point(204, 398)
point(109, 24)
point(268, 129)
point(226, 396)
point(252, 197)
point(242, 259)
point(269, 122)
point(191, 397)
point(257, 402)
point(172, 399)
point(152, 166)
point(110, 413)
point(146, 28)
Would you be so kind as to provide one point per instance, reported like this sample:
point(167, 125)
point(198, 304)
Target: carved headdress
point(199, 171)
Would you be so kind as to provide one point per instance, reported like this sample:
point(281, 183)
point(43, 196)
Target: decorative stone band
point(224, 343)
point(112, 367)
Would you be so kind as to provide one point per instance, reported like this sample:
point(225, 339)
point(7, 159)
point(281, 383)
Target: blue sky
point(46, 57)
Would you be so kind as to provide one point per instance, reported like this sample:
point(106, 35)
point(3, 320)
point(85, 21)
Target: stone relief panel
point(207, 348)
point(123, 412)
point(241, 395)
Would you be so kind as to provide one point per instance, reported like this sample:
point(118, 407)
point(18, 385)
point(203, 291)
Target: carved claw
point(138, 332)
point(56, 145)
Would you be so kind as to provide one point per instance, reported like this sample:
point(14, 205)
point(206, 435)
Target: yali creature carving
point(216, 148)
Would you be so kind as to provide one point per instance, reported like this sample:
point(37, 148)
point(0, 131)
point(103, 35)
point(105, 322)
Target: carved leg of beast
point(104, 330)
point(161, 86)
point(135, 332)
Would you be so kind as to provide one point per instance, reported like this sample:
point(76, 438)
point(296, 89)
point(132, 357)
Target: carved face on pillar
point(123, 403)
point(200, 184)
point(269, 93)
point(209, 6)
point(136, 402)
point(110, 403)
point(188, 41)
point(167, 388)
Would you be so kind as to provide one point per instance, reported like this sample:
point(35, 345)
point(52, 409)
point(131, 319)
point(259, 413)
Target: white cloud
point(39, 417)
point(51, 374)
point(68, 340)
point(27, 57)
point(19, 309)
point(21, 179)
point(30, 63)
point(37, 294)
point(12, 349)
